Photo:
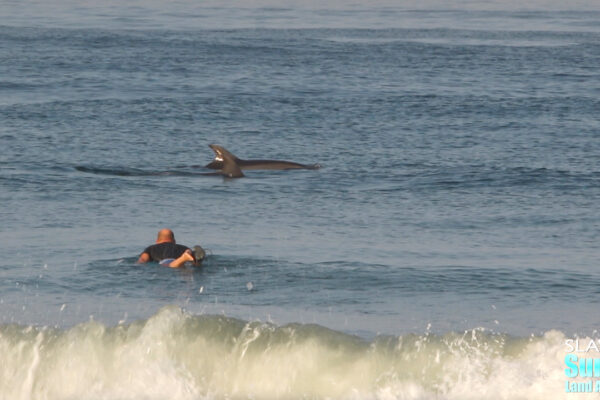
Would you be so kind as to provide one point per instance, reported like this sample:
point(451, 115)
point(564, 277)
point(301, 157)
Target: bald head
point(165, 235)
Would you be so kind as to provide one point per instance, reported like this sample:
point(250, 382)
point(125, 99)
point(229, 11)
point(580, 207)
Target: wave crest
point(175, 355)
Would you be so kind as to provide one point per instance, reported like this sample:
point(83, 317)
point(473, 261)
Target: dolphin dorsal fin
point(226, 162)
point(220, 153)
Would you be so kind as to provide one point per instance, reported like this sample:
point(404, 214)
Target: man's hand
point(144, 258)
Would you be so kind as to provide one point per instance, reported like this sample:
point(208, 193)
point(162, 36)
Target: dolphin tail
point(226, 162)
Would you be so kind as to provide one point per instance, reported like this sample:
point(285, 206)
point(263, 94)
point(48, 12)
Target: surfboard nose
point(198, 253)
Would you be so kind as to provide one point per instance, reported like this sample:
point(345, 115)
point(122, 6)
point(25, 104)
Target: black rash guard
point(163, 251)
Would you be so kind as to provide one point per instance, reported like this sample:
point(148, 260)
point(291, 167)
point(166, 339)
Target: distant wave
point(481, 176)
point(121, 171)
point(174, 355)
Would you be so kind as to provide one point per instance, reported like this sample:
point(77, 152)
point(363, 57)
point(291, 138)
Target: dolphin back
point(221, 154)
point(274, 165)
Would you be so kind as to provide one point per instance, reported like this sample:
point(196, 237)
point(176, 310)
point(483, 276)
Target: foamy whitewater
point(178, 356)
point(447, 248)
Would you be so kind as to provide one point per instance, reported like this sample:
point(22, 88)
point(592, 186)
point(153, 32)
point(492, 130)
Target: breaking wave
point(175, 355)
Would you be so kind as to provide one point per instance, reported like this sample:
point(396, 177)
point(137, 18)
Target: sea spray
point(175, 355)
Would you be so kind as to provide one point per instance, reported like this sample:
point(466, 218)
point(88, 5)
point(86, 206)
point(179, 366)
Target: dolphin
point(231, 166)
point(225, 163)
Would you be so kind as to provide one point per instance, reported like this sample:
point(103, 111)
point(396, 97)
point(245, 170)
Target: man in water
point(166, 252)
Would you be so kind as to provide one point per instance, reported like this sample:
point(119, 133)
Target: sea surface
point(447, 248)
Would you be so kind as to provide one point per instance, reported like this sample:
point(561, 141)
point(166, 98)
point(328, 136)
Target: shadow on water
point(133, 172)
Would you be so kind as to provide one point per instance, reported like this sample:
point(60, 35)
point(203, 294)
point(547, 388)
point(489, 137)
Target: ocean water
point(447, 248)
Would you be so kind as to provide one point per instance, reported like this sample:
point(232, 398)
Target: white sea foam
point(174, 355)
